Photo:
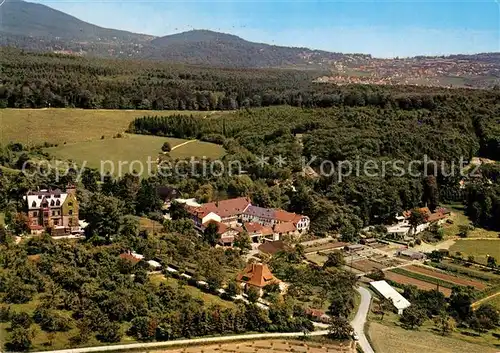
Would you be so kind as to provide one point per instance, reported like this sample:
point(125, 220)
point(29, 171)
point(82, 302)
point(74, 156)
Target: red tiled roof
point(35, 227)
point(253, 228)
point(267, 231)
point(272, 247)
point(284, 216)
point(285, 227)
point(257, 275)
point(436, 217)
point(130, 258)
point(221, 227)
point(315, 312)
point(226, 208)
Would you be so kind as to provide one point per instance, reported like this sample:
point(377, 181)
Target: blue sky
point(380, 28)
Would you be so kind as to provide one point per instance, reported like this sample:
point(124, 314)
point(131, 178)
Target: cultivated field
point(402, 279)
point(366, 265)
point(479, 248)
point(390, 339)
point(36, 126)
point(446, 277)
point(266, 346)
point(130, 148)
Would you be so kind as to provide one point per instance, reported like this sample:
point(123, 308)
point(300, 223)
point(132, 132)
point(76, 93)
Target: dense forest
point(32, 80)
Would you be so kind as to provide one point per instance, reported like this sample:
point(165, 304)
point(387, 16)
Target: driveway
point(358, 324)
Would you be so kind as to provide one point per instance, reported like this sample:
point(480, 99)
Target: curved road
point(359, 321)
point(358, 325)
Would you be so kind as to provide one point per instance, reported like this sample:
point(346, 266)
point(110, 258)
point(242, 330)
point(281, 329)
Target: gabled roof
point(284, 216)
point(130, 257)
point(390, 293)
point(285, 227)
point(54, 198)
point(260, 212)
point(272, 247)
point(267, 231)
point(257, 275)
point(253, 228)
point(221, 227)
point(227, 208)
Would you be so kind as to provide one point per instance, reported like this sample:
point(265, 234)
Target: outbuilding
point(388, 292)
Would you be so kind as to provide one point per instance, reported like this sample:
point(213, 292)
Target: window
point(33, 204)
point(58, 203)
point(70, 212)
point(53, 213)
point(52, 203)
point(35, 214)
point(70, 204)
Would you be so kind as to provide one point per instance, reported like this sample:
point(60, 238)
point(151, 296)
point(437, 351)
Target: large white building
point(385, 290)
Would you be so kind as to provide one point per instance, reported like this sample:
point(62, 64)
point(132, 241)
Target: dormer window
point(33, 204)
point(70, 204)
point(52, 203)
point(45, 204)
point(58, 203)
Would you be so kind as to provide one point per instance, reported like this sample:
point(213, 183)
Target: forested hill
point(32, 26)
point(24, 19)
point(221, 49)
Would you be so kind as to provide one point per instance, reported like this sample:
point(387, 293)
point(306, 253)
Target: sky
point(378, 27)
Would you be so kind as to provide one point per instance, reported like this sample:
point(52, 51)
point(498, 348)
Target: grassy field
point(149, 225)
point(36, 126)
point(494, 300)
point(459, 218)
point(478, 248)
point(128, 149)
point(389, 339)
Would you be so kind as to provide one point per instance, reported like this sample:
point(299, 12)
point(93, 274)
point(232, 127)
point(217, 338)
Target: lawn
point(478, 248)
point(36, 126)
point(459, 218)
point(387, 336)
point(390, 338)
point(149, 225)
point(131, 151)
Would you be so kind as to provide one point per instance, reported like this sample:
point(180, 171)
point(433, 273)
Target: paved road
point(360, 319)
point(358, 325)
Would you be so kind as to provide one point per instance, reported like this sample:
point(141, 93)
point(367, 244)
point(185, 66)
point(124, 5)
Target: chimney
point(71, 189)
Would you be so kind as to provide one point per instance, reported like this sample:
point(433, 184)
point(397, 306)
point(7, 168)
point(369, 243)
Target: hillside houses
point(238, 215)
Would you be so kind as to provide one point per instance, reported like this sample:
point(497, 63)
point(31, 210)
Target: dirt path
point(182, 144)
point(430, 247)
point(480, 301)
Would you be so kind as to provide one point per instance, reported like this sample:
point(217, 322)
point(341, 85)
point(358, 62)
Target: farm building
point(354, 247)
point(414, 255)
point(385, 290)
